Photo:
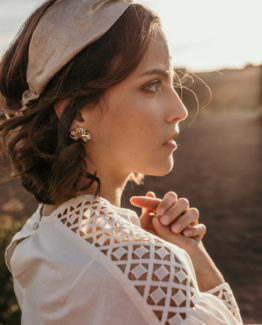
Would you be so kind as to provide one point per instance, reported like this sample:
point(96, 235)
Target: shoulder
point(157, 271)
point(102, 224)
point(90, 218)
point(29, 227)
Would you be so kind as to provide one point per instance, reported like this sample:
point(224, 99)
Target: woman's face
point(136, 117)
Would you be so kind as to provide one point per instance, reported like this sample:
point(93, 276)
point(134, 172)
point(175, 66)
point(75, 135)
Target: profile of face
point(135, 118)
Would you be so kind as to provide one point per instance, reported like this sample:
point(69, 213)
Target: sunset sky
point(203, 34)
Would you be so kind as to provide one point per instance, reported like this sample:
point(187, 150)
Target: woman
point(87, 91)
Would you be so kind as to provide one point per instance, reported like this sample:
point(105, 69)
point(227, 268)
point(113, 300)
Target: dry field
point(218, 167)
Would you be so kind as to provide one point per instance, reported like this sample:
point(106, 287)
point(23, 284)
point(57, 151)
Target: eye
point(153, 87)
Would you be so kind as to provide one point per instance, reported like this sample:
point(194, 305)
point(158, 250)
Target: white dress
point(91, 263)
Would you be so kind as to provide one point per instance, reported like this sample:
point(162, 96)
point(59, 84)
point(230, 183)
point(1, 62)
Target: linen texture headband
point(66, 28)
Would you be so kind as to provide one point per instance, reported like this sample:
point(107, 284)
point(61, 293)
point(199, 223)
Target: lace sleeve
point(161, 279)
point(224, 292)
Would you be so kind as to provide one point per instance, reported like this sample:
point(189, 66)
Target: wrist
point(207, 274)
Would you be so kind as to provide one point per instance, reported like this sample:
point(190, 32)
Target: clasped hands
point(170, 218)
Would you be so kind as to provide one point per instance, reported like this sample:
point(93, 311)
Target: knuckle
point(171, 194)
point(201, 229)
point(195, 211)
point(184, 201)
point(204, 228)
point(193, 231)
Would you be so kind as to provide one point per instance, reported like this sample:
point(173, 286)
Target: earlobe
point(78, 126)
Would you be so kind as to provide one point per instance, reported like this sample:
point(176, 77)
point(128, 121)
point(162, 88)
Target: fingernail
point(160, 211)
point(165, 220)
point(187, 232)
point(176, 228)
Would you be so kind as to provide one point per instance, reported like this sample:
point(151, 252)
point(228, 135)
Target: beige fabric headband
point(64, 30)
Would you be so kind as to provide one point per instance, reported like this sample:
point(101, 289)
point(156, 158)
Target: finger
point(197, 230)
point(180, 206)
point(145, 202)
point(152, 195)
point(168, 200)
point(186, 219)
point(165, 233)
point(147, 215)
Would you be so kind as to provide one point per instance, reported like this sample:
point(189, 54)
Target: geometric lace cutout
point(179, 297)
point(181, 275)
point(138, 271)
point(224, 293)
point(119, 252)
point(157, 295)
point(149, 266)
point(140, 251)
point(162, 252)
point(161, 272)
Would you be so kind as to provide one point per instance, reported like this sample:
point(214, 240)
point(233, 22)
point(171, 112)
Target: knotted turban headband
point(66, 28)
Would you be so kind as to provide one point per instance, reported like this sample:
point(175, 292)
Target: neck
point(111, 189)
point(112, 181)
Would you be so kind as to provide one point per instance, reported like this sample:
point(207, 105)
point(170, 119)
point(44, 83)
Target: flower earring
point(79, 133)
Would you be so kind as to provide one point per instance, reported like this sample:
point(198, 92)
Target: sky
point(203, 35)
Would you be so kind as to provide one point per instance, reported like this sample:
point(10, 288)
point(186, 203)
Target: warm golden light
point(206, 35)
point(203, 34)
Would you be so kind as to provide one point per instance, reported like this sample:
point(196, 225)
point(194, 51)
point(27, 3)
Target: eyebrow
point(162, 73)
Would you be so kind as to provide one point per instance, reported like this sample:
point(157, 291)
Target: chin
point(167, 168)
point(161, 170)
point(164, 173)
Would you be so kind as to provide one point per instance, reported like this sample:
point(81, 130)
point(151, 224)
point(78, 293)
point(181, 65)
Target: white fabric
point(90, 262)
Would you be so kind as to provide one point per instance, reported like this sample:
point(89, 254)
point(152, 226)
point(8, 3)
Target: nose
point(177, 109)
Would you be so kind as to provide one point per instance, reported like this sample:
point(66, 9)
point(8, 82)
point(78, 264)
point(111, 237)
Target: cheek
point(138, 120)
point(139, 134)
point(133, 121)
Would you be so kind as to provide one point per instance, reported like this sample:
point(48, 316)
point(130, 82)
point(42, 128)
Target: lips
point(173, 137)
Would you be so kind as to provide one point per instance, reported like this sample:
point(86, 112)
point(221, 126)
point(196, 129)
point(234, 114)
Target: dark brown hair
point(50, 164)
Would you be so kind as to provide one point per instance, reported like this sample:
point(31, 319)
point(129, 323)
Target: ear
point(79, 120)
point(60, 106)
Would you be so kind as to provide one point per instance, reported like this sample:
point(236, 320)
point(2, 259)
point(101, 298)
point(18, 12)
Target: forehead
point(157, 55)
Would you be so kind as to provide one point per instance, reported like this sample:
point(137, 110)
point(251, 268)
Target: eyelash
point(154, 83)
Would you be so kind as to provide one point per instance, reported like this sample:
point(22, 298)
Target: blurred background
point(217, 53)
